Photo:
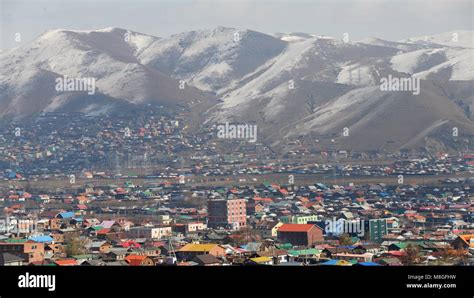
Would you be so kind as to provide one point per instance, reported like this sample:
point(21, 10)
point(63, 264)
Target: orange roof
point(266, 200)
point(66, 262)
point(467, 238)
point(295, 228)
point(134, 260)
point(103, 231)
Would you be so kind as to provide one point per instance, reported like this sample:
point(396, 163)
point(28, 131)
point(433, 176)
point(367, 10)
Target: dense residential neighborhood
point(171, 223)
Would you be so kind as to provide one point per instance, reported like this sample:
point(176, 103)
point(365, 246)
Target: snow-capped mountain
point(290, 84)
point(109, 56)
point(212, 60)
point(455, 39)
point(335, 85)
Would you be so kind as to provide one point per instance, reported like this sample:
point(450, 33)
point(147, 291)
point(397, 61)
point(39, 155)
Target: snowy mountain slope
point(388, 120)
point(314, 60)
point(108, 56)
point(459, 66)
point(404, 46)
point(417, 61)
point(212, 59)
point(293, 84)
point(458, 38)
point(310, 60)
point(279, 69)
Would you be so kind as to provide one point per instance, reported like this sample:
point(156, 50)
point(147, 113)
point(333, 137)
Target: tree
point(461, 254)
point(245, 235)
point(345, 239)
point(76, 246)
point(411, 255)
point(446, 253)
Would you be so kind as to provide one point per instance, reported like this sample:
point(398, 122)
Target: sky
point(386, 19)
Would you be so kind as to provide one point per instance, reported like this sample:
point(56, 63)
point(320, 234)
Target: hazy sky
point(388, 19)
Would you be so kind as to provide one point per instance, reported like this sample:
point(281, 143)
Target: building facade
point(377, 229)
point(304, 235)
point(230, 213)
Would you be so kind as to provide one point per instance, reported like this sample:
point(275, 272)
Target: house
point(390, 262)
point(189, 251)
point(367, 264)
point(274, 229)
point(207, 260)
point(363, 248)
point(464, 242)
point(93, 263)
point(303, 254)
point(337, 263)
point(130, 244)
point(139, 260)
point(80, 208)
point(54, 224)
point(29, 250)
point(149, 232)
point(365, 257)
point(151, 251)
point(66, 262)
point(54, 250)
point(57, 237)
point(65, 215)
point(266, 229)
point(117, 263)
point(42, 239)
point(300, 234)
point(8, 259)
point(330, 252)
point(195, 226)
point(117, 254)
point(89, 222)
point(253, 246)
point(164, 219)
point(110, 224)
point(260, 261)
point(100, 247)
point(299, 219)
point(278, 256)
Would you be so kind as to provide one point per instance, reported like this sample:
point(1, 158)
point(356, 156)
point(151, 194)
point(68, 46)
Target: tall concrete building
point(227, 213)
point(377, 229)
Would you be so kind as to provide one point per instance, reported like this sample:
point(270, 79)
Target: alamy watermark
point(400, 84)
point(237, 131)
point(18, 226)
point(28, 280)
point(75, 84)
point(343, 226)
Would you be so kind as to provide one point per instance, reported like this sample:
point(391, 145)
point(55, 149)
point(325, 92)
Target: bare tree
point(345, 239)
point(411, 255)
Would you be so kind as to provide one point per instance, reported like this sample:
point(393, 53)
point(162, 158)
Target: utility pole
point(171, 252)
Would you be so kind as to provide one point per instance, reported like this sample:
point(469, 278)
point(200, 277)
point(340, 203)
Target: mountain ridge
point(274, 81)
